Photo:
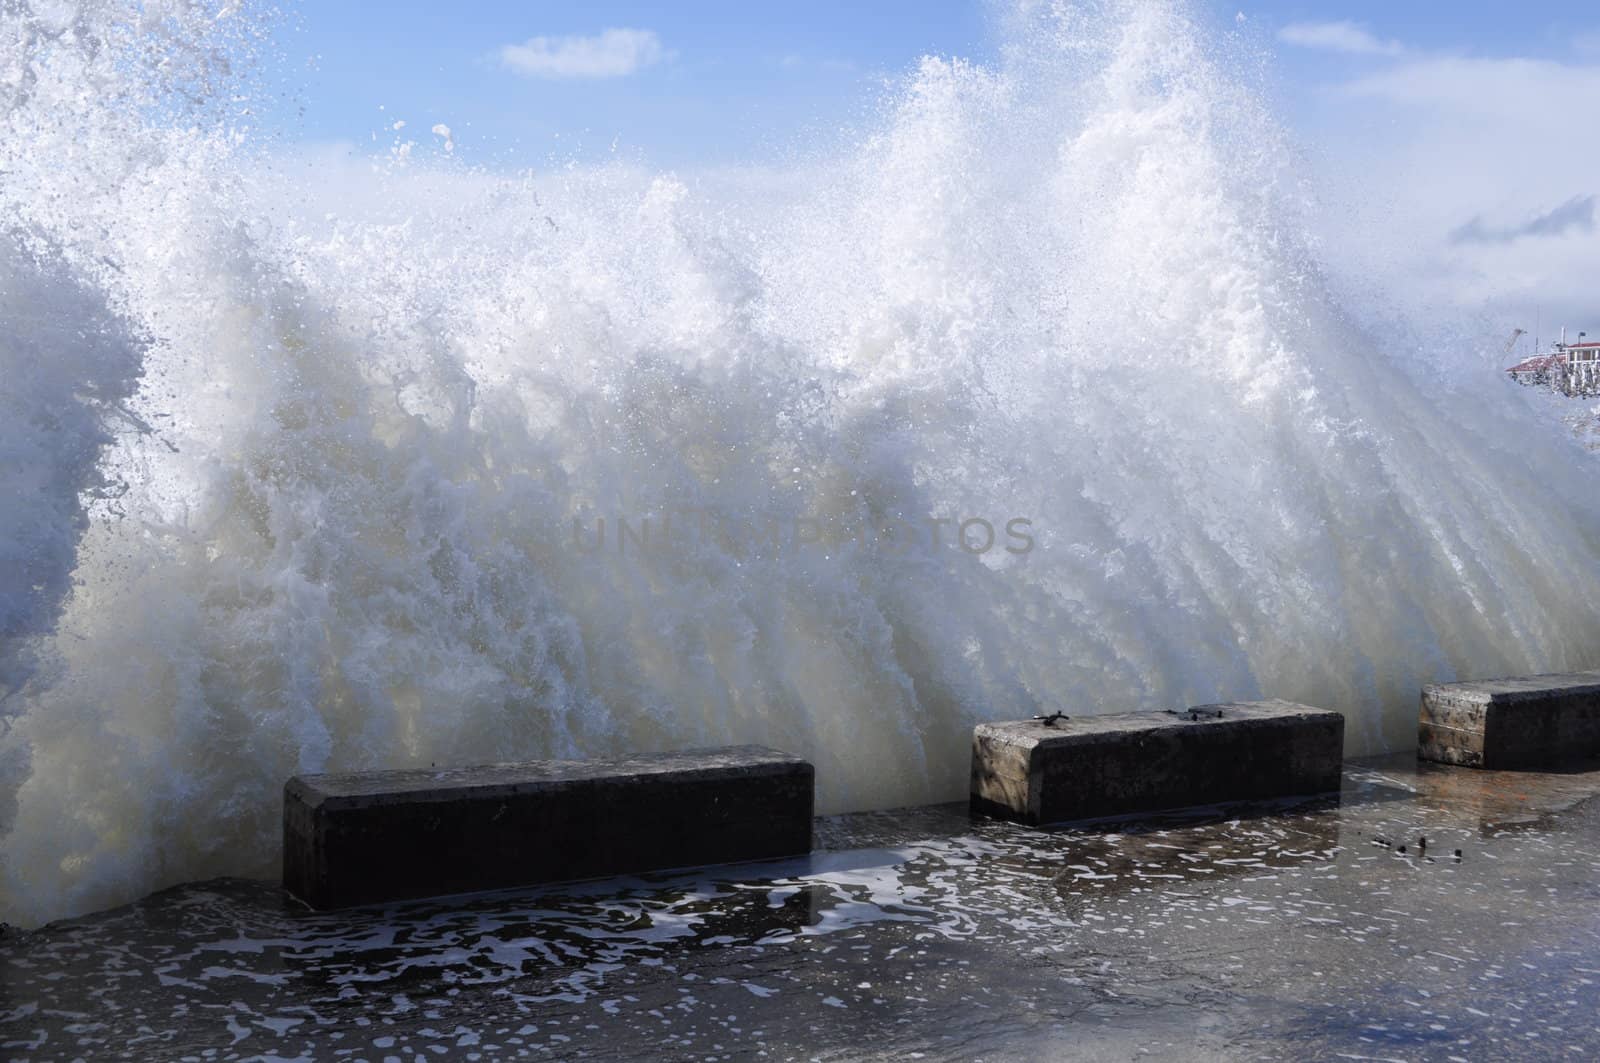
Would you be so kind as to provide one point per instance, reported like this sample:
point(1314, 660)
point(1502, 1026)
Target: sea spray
point(1070, 287)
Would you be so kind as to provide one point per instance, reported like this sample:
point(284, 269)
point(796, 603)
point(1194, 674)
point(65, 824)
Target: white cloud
point(1347, 37)
point(1575, 215)
point(1463, 182)
point(608, 54)
point(1528, 92)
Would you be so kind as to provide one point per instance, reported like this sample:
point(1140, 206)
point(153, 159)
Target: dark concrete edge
point(1176, 724)
point(1463, 692)
point(1539, 763)
point(302, 790)
point(1267, 805)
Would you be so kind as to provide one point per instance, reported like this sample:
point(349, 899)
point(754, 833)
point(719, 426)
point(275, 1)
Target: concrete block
point(1525, 722)
point(366, 837)
point(1091, 766)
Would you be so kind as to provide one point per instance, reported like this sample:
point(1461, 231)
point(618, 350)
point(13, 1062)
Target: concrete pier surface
point(1306, 930)
point(1521, 722)
point(373, 836)
point(1057, 769)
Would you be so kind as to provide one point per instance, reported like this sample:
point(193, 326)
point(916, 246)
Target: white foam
point(1069, 288)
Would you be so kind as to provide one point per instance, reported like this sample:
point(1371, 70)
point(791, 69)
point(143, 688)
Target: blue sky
point(731, 80)
point(718, 82)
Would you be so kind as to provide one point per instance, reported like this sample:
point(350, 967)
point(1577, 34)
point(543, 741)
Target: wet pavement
point(1309, 930)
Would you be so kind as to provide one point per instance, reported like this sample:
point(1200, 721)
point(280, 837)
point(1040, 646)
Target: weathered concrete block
point(1093, 766)
point(1511, 723)
point(365, 837)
